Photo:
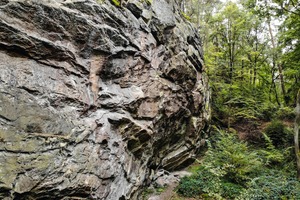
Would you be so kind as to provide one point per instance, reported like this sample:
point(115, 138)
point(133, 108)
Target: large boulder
point(96, 96)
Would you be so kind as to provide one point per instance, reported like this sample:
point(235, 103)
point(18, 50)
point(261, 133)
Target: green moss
point(152, 191)
point(194, 168)
point(147, 192)
point(160, 190)
point(184, 15)
point(116, 3)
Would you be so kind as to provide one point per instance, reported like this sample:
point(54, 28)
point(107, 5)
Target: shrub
point(230, 190)
point(232, 159)
point(272, 185)
point(225, 170)
point(285, 113)
point(231, 170)
point(267, 110)
point(270, 155)
point(190, 187)
point(279, 134)
point(203, 182)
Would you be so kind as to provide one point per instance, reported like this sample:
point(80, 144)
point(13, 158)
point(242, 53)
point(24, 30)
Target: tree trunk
point(255, 58)
point(296, 134)
point(276, 62)
point(273, 85)
point(282, 83)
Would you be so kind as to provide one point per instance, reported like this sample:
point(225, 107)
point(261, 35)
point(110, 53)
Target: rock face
point(95, 97)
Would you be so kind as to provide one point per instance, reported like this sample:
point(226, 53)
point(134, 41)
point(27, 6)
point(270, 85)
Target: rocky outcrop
point(96, 97)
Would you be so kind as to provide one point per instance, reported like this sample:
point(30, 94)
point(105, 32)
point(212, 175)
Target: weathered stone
point(95, 98)
point(164, 178)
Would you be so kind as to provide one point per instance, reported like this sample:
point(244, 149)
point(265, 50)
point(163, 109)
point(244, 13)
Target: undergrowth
point(233, 169)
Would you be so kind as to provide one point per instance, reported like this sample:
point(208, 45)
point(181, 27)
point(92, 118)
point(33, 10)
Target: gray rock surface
point(164, 178)
point(95, 98)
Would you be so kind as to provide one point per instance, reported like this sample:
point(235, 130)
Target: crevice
point(6, 119)
point(28, 152)
point(30, 91)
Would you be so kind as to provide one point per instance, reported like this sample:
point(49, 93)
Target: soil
point(251, 131)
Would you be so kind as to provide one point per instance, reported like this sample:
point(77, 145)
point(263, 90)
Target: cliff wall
point(95, 97)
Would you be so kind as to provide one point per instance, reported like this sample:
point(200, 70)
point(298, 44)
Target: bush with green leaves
point(230, 190)
point(285, 113)
point(231, 169)
point(234, 102)
point(227, 166)
point(203, 182)
point(279, 134)
point(270, 155)
point(232, 159)
point(272, 185)
point(206, 184)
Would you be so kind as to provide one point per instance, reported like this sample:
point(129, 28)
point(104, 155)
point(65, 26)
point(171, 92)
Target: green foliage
point(226, 168)
point(272, 185)
point(285, 113)
point(230, 190)
point(289, 40)
point(152, 191)
point(245, 55)
point(198, 184)
point(231, 159)
point(279, 134)
point(243, 64)
point(147, 192)
point(233, 170)
point(270, 155)
point(160, 189)
point(268, 110)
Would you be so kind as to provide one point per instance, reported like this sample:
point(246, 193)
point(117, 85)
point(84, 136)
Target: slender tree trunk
point(276, 94)
point(255, 58)
point(254, 74)
point(273, 85)
point(296, 134)
point(277, 63)
point(282, 83)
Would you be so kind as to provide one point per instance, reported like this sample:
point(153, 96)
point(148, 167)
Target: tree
point(290, 44)
point(296, 134)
